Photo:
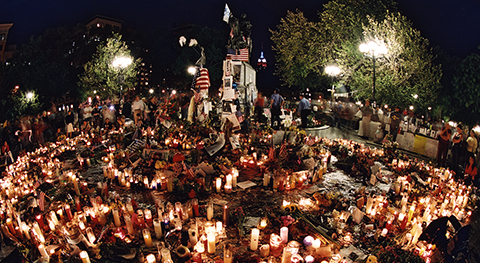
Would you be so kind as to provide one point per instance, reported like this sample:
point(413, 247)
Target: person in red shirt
point(471, 172)
point(6, 152)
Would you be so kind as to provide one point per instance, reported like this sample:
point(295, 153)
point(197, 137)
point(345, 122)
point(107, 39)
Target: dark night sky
point(453, 25)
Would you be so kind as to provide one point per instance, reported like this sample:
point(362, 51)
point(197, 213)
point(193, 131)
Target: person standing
point(69, 119)
point(137, 108)
point(457, 150)
point(276, 103)
point(367, 113)
point(443, 143)
point(395, 119)
point(472, 144)
point(259, 104)
point(87, 112)
point(304, 110)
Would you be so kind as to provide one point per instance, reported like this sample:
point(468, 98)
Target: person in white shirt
point(138, 106)
point(87, 112)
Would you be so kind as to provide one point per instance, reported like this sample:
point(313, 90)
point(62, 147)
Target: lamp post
point(375, 50)
point(332, 71)
point(121, 63)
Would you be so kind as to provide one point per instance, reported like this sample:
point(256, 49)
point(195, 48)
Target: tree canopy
point(101, 77)
point(304, 48)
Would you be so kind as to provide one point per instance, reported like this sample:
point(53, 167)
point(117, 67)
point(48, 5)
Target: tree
point(100, 77)
point(305, 48)
point(466, 83)
point(43, 66)
point(406, 74)
point(297, 46)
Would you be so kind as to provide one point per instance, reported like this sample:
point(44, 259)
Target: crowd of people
point(29, 132)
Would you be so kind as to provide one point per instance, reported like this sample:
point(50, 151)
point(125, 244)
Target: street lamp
point(375, 50)
point(121, 63)
point(332, 71)
point(29, 96)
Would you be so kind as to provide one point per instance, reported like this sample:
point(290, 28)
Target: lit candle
point(226, 215)
point(43, 251)
point(254, 239)
point(148, 216)
point(264, 251)
point(10, 225)
point(151, 258)
point(384, 232)
point(158, 228)
point(128, 222)
point(284, 234)
point(68, 211)
point(229, 179)
point(116, 217)
point(316, 243)
point(308, 241)
point(309, 259)
point(39, 219)
point(147, 237)
point(227, 255)
point(266, 179)
point(219, 226)
point(234, 178)
point(287, 255)
point(84, 256)
point(192, 234)
point(195, 206)
point(218, 184)
point(211, 243)
point(91, 237)
point(210, 211)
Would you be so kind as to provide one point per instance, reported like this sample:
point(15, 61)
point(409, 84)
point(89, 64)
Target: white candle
point(287, 255)
point(192, 233)
point(211, 243)
point(309, 259)
point(229, 180)
point(116, 217)
point(147, 237)
point(264, 251)
point(151, 258)
point(234, 179)
point(128, 222)
point(284, 234)
point(219, 226)
point(219, 184)
point(210, 211)
point(266, 180)
point(43, 251)
point(84, 256)
point(316, 243)
point(227, 256)
point(157, 225)
point(254, 239)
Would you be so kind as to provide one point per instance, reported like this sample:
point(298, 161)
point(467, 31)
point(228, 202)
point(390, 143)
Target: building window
point(2, 37)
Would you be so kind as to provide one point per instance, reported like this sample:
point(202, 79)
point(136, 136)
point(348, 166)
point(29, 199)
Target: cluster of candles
point(230, 182)
point(289, 251)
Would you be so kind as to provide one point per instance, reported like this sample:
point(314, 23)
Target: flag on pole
point(226, 14)
point(242, 54)
point(203, 81)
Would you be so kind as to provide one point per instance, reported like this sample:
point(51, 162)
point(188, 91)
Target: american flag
point(203, 80)
point(242, 54)
point(41, 201)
